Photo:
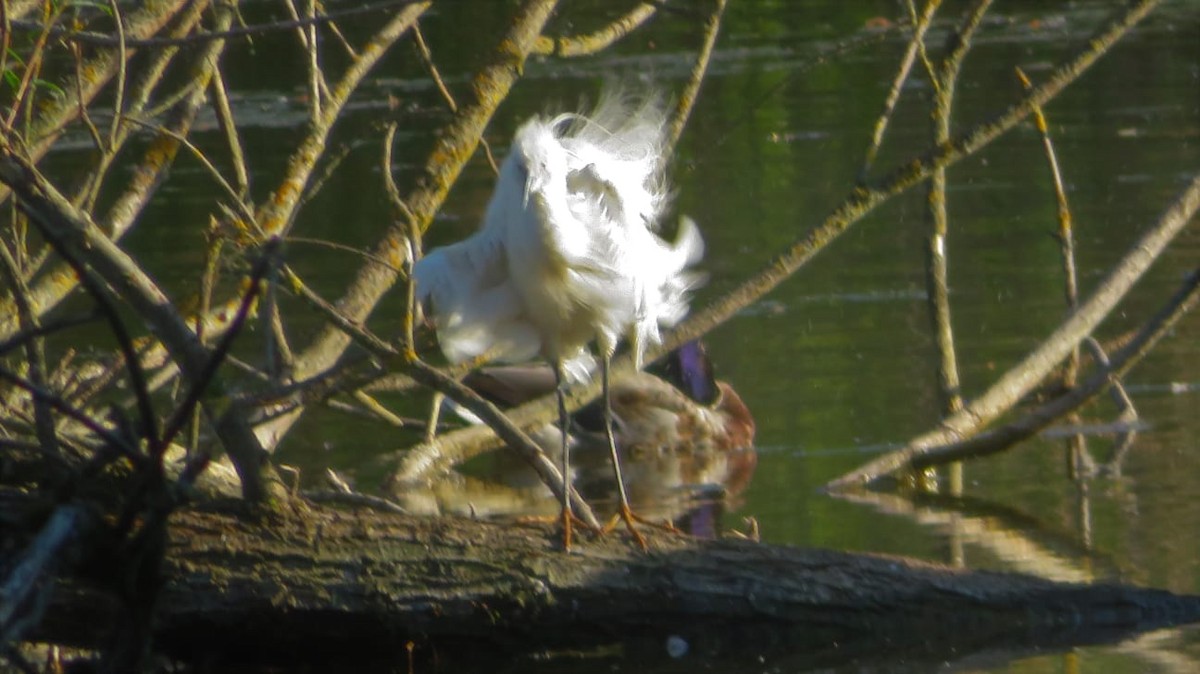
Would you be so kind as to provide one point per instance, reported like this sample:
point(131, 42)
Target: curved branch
point(1023, 377)
point(596, 41)
point(1107, 374)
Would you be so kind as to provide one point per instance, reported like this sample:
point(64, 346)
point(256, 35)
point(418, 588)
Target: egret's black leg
point(564, 424)
point(624, 512)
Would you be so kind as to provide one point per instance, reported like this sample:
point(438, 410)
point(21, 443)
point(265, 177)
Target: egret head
point(539, 156)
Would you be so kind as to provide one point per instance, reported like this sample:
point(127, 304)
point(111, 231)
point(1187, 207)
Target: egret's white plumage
point(568, 253)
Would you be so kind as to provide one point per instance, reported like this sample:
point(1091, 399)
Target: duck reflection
point(685, 440)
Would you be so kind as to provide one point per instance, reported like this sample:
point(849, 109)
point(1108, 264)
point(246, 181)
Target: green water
point(837, 364)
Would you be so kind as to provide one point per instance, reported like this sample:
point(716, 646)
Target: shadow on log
point(356, 587)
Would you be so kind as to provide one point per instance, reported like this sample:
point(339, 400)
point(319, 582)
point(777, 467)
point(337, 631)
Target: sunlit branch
point(687, 97)
point(1108, 372)
point(1032, 369)
point(915, 43)
point(583, 45)
point(228, 126)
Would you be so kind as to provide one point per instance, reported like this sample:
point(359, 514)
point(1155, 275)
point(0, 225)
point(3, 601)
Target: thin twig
point(229, 128)
point(122, 56)
point(376, 409)
point(84, 115)
point(51, 287)
point(333, 28)
point(1066, 238)
point(357, 500)
point(945, 79)
point(217, 355)
point(99, 294)
point(25, 88)
point(917, 42)
point(687, 97)
point(1126, 411)
point(35, 353)
point(427, 58)
point(69, 410)
point(242, 208)
point(413, 239)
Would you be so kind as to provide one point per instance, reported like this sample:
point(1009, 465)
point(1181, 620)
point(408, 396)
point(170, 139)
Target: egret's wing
point(493, 321)
point(475, 307)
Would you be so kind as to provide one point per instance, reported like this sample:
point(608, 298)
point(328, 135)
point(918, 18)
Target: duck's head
point(689, 369)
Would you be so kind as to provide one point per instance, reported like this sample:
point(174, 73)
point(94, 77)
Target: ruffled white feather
point(567, 253)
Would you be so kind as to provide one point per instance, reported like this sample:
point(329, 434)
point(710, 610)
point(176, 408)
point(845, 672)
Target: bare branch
point(229, 129)
point(583, 45)
point(687, 97)
point(1107, 373)
point(915, 43)
point(1024, 376)
point(26, 590)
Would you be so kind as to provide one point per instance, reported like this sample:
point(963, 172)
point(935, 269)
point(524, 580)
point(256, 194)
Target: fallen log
point(338, 587)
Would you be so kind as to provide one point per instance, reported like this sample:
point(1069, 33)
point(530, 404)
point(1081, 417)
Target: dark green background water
point(838, 363)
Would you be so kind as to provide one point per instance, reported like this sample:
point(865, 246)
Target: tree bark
point(356, 587)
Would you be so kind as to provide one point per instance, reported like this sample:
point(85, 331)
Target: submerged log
point(354, 586)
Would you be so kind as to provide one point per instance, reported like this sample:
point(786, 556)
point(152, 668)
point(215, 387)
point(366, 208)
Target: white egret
point(567, 254)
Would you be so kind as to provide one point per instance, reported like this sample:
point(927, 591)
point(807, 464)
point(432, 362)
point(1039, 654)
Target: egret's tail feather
point(617, 153)
point(689, 244)
point(623, 126)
